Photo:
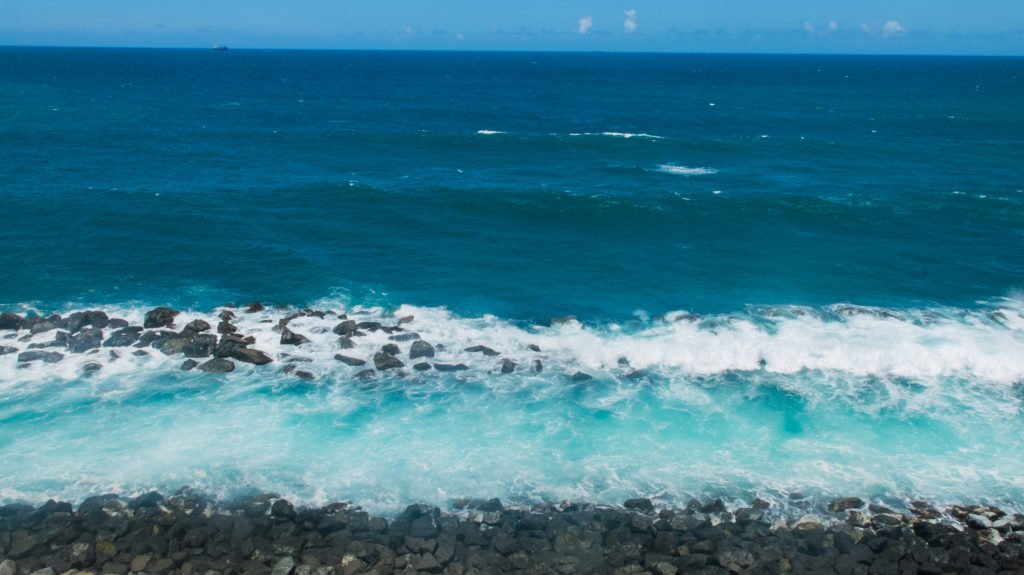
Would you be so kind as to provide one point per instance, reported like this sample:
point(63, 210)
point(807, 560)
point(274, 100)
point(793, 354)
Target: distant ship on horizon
point(219, 47)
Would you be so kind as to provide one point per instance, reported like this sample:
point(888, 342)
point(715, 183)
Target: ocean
point(789, 277)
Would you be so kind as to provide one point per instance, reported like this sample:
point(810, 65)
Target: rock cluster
point(187, 533)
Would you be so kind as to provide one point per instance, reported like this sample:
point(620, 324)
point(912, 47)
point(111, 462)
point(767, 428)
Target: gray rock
point(86, 339)
point(347, 327)
point(845, 503)
point(218, 365)
point(639, 504)
point(345, 342)
point(197, 326)
point(580, 376)
point(533, 347)
point(10, 321)
point(978, 521)
point(369, 325)
point(226, 315)
point(91, 367)
point(384, 361)
point(189, 364)
point(44, 356)
point(44, 325)
point(117, 323)
point(160, 317)
point(354, 362)
point(171, 345)
point(226, 327)
point(44, 571)
point(411, 336)
point(288, 337)
point(365, 374)
point(123, 337)
point(421, 348)
point(140, 353)
point(254, 307)
point(482, 349)
point(406, 319)
point(4, 350)
point(80, 319)
point(421, 366)
point(253, 356)
point(8, 567)
point(508, 366)
point(538, 366)
point(283, 567)
point(304, 375)
point(202, 345)
point(447, 367)
point(563, 320)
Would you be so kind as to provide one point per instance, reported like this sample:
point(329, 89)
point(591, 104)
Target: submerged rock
point(421, 366)
point(447, 367)
point(538, 366)
point(44, 356)
point(508, 366)
point(5, 350)
point(365, 374)
point(402, 337)
point(482, 349)
point(355, 362)
point(345, 342)
point(580, 376)
point(288, 337)
point(160, 317)
point(218, 365)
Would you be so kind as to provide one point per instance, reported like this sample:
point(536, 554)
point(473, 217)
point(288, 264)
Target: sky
point(786, 26)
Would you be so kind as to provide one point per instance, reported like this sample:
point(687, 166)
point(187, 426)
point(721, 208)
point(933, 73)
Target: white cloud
point(630, 24)
point(892, 28)
point(585, 24)
point(408, 29)
point(808, 27)
point(833, 25)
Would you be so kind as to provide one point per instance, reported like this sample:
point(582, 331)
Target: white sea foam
point(686, 170)
point(489, 132)
point(626, 135)
point(832, 401)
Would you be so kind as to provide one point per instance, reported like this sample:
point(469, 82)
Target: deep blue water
point(492, 191)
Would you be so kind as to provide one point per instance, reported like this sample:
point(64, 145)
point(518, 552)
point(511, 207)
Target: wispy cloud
point(833, 25)
point(808, 27)
point(630, 24)
point(892, 28)
point(585, 24)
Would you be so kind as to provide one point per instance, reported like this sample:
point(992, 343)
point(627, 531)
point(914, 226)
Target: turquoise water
point(845, 231)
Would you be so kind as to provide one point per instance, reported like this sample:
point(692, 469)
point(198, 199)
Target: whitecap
point(686, 170)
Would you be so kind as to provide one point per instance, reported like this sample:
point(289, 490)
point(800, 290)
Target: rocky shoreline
point(188, 533)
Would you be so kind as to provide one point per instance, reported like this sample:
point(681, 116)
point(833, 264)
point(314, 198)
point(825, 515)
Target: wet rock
point(482, 349)
point(189, 364)
point(419, 349)
point(369, 325)
point(123, 337)
point(977, 521)
point(580, 376)
point(563, 320)
point(202, 345)
point(383, 361)
point(845, 504)
point(365, 374)
point(226, 327)
point(305, 375)
point(390, 349)
point(353, 361)
point(197, 326)
point(284, 566)
point(254, 307)
point(282, 508)
point(639, 504)
point(538, 366)
point(117, 323)
point(86, 339)
point(508, 366)
point(80, 319)
point(218, 365)
point(160, 317)
point(171, 345)
point(91, 367)
point(406, 319)
point(154, 338)
point(5, 350)
point(140, 353)
point(533, 347)
point(8, 567)
point(10, 321)
point(402, 337)
point(421, 366)
point(347, 327)
point(44, 356)
point(447, 367)
point(44, 325)
point(345, 342)
point(288, 337)
point(247, 355)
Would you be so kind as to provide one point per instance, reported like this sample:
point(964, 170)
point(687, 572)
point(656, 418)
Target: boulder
point(117, 323)
point(347, 327)
point(639, 504)
point(226, 327)
point(10, 321)
point(288, 337)
point(159, 317)
point(284, 566)
point(226, 315)
point(508, 366)
point(482, 349)
point(421, 366)
point(5, 349)
point(253, 356)
point(369, 325)
point(154, 338)
point(845, 503)
point(202, 345)
point(421, 348)
point(44, 325)
point(354, 362)
point(254, 307)
point(44, 356)
point(345, 342)
point(197, 326)
point(447, 367)
point(538, 366)
point(365, 374)
point(86, 339)
point(217, 365)
point(92, 366)
point(411, 336)
point(533, 347)
point(383, 361)
point(189, 364)
point(390, 349)
point(580, 376)
point(171, 345)
point(228, 344)
point(80, 319)
point(123, 337)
